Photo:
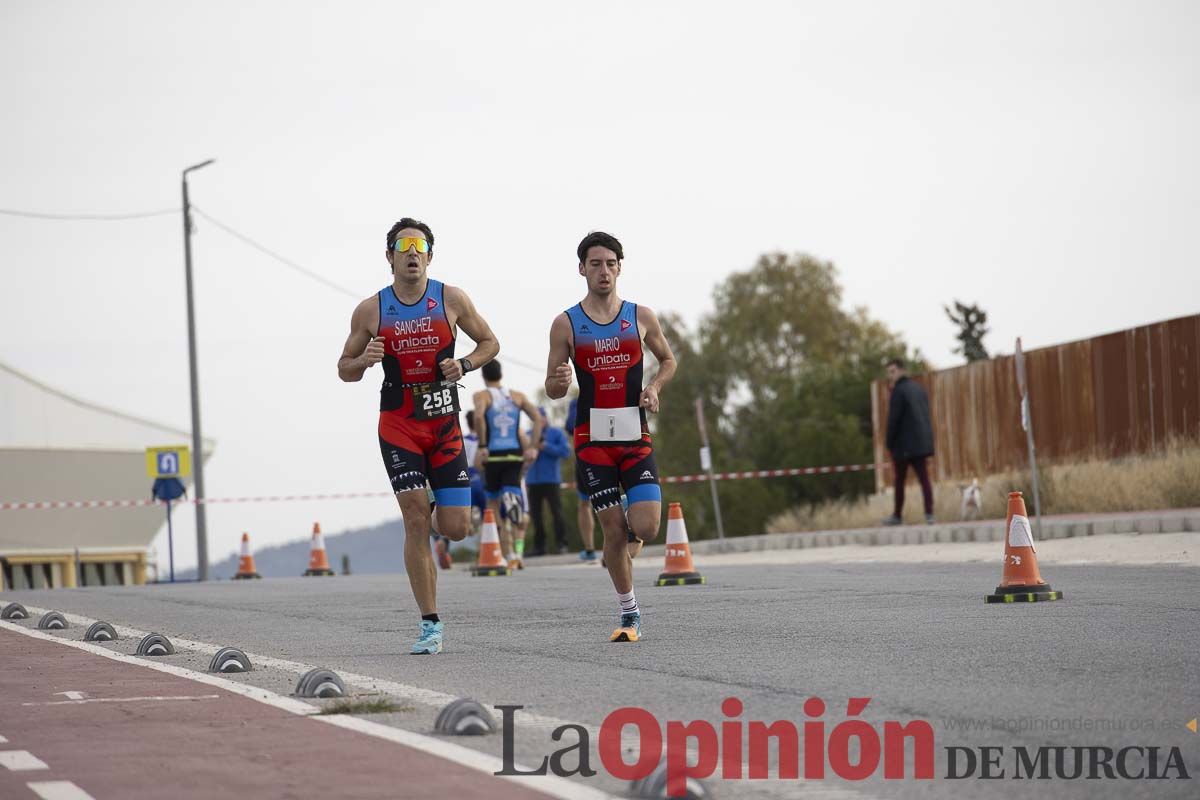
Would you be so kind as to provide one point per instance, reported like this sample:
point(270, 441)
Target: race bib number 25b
point(433, 400)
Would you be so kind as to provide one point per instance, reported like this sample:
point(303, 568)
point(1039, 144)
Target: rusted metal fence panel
point(1113, 395)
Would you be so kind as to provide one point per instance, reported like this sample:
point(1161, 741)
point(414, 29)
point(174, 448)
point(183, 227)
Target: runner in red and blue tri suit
point(410, 327)
point(601, 340)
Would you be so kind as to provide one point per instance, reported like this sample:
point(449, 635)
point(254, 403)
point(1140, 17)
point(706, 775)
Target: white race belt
point(615, 424)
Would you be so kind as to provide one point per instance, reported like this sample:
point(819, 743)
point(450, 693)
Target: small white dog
point(972, 501)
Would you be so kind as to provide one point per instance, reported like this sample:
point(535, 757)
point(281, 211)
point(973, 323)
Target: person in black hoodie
point(909, 437)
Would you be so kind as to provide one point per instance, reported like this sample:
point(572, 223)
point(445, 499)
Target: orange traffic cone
point(1020, 582)
point(246, 568)
point(318, 562)
point(679, 570)
point(491, 560)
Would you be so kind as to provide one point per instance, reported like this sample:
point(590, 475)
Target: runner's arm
point(661, 348)
point(536, 437)
point(363, 348)
point(475, 326)
point(481, 403)
point(558, 366)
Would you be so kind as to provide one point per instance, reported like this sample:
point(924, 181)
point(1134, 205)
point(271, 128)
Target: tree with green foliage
point(784, 374)
point(972, 327)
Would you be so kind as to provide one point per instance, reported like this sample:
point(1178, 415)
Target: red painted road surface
point(229, 746)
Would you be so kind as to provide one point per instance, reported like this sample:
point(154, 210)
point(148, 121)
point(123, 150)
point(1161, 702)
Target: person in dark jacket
point(542, 484)
point(909, 437)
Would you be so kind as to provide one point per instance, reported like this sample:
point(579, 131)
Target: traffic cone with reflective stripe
point(491, 560)
point(679, 570)
point(246, 568)
point(318, 561)
point(1020, 581)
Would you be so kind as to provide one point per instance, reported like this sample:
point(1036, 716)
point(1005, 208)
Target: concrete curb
point(1065, 527)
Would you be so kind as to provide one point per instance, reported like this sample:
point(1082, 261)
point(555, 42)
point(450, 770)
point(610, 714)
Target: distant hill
point(375, 550)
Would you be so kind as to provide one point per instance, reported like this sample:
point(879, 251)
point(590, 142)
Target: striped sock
point(628, 602)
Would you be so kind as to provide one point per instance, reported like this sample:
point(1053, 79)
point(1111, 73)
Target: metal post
point(706, 463)
point(1037, 499)
point(197, 438)
point(1027, 424)
point(170, 543)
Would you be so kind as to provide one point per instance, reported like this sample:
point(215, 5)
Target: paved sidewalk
point(1064, 526)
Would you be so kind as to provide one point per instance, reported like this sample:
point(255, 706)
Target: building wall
point(32, 475)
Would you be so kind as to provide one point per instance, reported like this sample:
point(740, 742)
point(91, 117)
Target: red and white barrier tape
point(767, 473)
point(44, 505)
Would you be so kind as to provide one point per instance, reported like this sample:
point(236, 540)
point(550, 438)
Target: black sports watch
point(466, 365)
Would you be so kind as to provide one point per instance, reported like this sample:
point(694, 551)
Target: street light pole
point(197, 438)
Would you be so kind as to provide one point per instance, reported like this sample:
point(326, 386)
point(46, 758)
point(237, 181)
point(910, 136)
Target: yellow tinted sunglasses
point(405, 242)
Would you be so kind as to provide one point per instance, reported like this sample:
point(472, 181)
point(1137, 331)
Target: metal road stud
point(229, 659)
point(464, 717)
point(155, 644)
point(320, 683)
point(14, 611)
point(654, 786)
point(100, 632)
point(52, 621)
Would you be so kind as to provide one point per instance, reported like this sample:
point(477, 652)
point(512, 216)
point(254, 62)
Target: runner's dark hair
point(409, 222)
point(599, 239)
point(898, 363)
point(491, 371)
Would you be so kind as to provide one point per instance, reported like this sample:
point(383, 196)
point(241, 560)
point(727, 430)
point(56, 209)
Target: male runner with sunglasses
point(603, 336)
point(410, 326)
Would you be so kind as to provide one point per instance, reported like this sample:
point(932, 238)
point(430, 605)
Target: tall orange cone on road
point(491, 560)
point(1020, 581)
point(246, 568)
point(318, 561)
point(679, 570)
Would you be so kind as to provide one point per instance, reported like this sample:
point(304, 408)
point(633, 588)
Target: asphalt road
point(1115, 664)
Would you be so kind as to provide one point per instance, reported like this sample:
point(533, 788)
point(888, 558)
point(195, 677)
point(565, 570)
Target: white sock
point(628, 602)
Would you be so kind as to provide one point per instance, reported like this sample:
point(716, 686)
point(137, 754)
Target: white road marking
point(402, 691)
point(20, 760)
point(254, 693)
point(73, 695)
point(58, 790)
point(555, 786)
point(125, 700)
point(549, 784)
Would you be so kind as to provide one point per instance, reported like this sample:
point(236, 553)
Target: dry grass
point(376, 704)
point(1167, 479)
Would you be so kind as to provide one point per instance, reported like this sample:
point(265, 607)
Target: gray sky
point(1037, 158)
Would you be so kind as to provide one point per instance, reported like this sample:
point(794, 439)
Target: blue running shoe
point(430, 641)
point(630, 629)
point(587, 555)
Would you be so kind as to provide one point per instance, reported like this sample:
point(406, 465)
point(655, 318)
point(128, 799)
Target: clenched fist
point(374, 352)
point(562, 377)
point(451, 370)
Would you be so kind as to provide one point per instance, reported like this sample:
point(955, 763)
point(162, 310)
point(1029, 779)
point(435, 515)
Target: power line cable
point(12, 212)
point(287, 262)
